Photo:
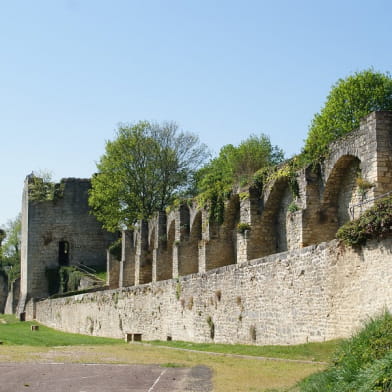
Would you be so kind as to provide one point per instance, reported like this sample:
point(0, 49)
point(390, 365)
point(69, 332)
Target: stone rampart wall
point(311, 294)
point(275, 219)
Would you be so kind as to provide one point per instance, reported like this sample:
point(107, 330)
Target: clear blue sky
point(71, 70)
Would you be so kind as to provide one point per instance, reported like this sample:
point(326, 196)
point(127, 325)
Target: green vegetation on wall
point(348, 102)
point(63, 280)
point(42, 188)
point(376, 222)
point(234, 167)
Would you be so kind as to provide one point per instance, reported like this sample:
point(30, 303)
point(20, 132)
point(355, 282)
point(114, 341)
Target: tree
point(10, 248)
point(349, 100)
point(142, 170)
point(234, 166)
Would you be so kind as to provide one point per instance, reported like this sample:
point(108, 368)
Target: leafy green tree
point(349, 100)
point(142, 170)
point(10, 248)
point(233, 167)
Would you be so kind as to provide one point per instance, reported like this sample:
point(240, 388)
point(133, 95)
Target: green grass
point(230, 374)
point(310, 351)
point(14, 332)
point(101, 275)
point(171, 365)
point(361, 364)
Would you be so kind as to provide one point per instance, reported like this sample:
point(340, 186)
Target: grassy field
point(230, 373)
point(309, 352)
point(13, 332)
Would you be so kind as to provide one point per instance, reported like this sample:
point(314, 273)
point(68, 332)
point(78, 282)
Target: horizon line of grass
point(315, 351)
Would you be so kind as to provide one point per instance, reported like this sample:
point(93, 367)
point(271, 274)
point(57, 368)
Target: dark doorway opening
point(64, 253)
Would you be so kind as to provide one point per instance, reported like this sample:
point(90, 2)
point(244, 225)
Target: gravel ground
point(70, 377)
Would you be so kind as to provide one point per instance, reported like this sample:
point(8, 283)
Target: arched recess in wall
point(340, 194)
point(64, 253)
point(274, 228)
point(188, 261)
point(171, 236)
point(145, 257)
point(195, 237)
point(221, 249)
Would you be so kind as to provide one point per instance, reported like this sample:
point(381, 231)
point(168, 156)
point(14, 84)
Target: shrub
point(362, 363)
point(374, 223)
point(293, 207)
point(242, 227)
point(349, 100)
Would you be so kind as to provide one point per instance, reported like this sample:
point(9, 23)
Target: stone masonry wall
point(13, 297)
point(46, 224)
point(275, 219)
point(311, 294)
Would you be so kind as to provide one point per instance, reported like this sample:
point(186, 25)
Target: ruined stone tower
point(58, 232)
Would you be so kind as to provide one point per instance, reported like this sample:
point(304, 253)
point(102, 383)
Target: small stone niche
point(133, 337)
point(137, 337)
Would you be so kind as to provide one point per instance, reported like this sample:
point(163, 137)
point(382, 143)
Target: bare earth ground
point(38, 377)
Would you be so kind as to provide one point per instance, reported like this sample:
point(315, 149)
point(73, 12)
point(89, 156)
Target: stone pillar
point(203, 243)
point(127, 264)
point(384, 152)
point(244, 230)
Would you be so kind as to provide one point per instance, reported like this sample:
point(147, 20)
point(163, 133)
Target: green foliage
point(242, 227)
point(69, 279)
point(115, 249)
point(142, 171)
point(287, 170)
point(363, 185)
point(376, 222)
point(362, 363)
point(10, 249)
point(349, 100)
point(233, 167)
point(42, 188)
point(293, 207)
point(14, 332)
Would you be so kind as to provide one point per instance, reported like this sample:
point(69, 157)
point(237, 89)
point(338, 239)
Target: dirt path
point(72, 377)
